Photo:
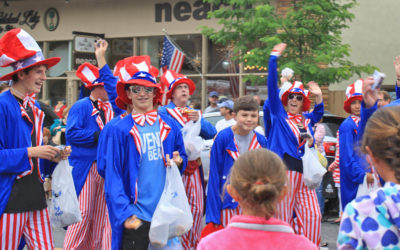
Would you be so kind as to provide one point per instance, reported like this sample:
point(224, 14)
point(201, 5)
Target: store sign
point(183, 11)
point(11, 20)
point(84, 43)
point(51, 19)
point(82, 57)
point(84, 50)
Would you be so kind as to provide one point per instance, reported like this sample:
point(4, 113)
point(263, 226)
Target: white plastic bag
point(365, 188)
point(172, 216)
point(64, 208)
point(313, 171)
point(193, 142)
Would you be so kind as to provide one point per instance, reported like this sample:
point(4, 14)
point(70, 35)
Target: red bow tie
point(295, 118)
point(29, 100)
point(103, 105)
point(149, 117)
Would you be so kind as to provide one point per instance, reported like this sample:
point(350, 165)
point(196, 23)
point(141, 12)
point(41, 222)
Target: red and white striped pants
point(303, 201)
point(94, 231)
point(228, 213)
point(34, 226)
point(194, 192)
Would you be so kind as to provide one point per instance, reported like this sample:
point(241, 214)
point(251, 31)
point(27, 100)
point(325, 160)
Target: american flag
point(172, 58)
point(233, 80)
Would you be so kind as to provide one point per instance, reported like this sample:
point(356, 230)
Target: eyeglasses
point(136, 89)
point(298, 97)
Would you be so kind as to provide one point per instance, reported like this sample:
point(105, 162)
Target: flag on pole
point(172, 59)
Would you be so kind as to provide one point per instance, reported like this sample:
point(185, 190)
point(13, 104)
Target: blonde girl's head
point(257, 181)
point(381, 140)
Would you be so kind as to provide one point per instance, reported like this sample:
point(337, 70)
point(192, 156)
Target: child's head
point(257, 181)
point(381, 141)
point(245, 112)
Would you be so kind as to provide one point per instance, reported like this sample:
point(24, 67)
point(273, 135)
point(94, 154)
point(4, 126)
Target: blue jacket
point(102, 145)
point(15, 138)
point(82, 131)
point(221, 163)
point(281, 138)
point(352, 164)
point(123, 163)
point(207, 131)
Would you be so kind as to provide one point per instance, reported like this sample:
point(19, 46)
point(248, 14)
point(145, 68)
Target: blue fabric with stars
point(372, 221)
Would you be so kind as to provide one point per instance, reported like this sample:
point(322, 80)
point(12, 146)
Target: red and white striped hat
point(138, 71)
point(297, 88)
point(19, 50)
point(171, 79)
point(353, 92)
point(89, 75)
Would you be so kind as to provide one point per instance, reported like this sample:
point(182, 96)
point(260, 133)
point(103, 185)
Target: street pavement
point(329, 234)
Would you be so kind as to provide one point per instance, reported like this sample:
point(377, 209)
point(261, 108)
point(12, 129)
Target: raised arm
point(106, 76)
point(275, 103)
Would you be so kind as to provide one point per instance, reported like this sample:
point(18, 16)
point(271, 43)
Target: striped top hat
point(172, 79)
point(138, 71)
point(353, 92)
point(298, 89)
point(19, 50)
point(89, 75)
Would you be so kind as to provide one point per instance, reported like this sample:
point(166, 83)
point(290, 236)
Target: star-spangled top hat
point(19, 50)
point(172, 79)
point(89, 75)
point(353, 92)
point(138, 71)
point(297, 88)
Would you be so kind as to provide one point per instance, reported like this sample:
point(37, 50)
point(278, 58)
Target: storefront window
point(59, 49)
point(219, 58)
point(57, 91)
point(195, 99)
point(120, 49)
point(151, 46)
point(225, 86)
point(189, 44)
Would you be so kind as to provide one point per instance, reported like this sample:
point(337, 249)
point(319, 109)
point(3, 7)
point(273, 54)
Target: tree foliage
point(312, 30)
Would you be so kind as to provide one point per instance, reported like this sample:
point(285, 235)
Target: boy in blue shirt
point(137, 156)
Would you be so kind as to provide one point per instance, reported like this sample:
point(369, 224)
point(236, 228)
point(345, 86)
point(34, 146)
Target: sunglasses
point(136, 89)
point(298, 97)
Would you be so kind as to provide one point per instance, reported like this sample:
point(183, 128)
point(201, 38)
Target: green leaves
point(311, 28)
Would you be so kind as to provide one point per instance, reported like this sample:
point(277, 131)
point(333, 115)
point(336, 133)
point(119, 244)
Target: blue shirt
point(151, 177)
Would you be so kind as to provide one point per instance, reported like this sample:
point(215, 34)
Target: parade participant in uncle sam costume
point(24, 161)
point(141, 145)
point(289, 132)
point(179, 91)
point(85, 122)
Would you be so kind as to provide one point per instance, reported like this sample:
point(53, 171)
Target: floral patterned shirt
point(372, 221)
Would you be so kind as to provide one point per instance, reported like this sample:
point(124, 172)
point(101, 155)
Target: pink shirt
point(233, 237)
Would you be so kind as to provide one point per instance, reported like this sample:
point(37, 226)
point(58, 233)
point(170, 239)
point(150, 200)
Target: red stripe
point(173, 63)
